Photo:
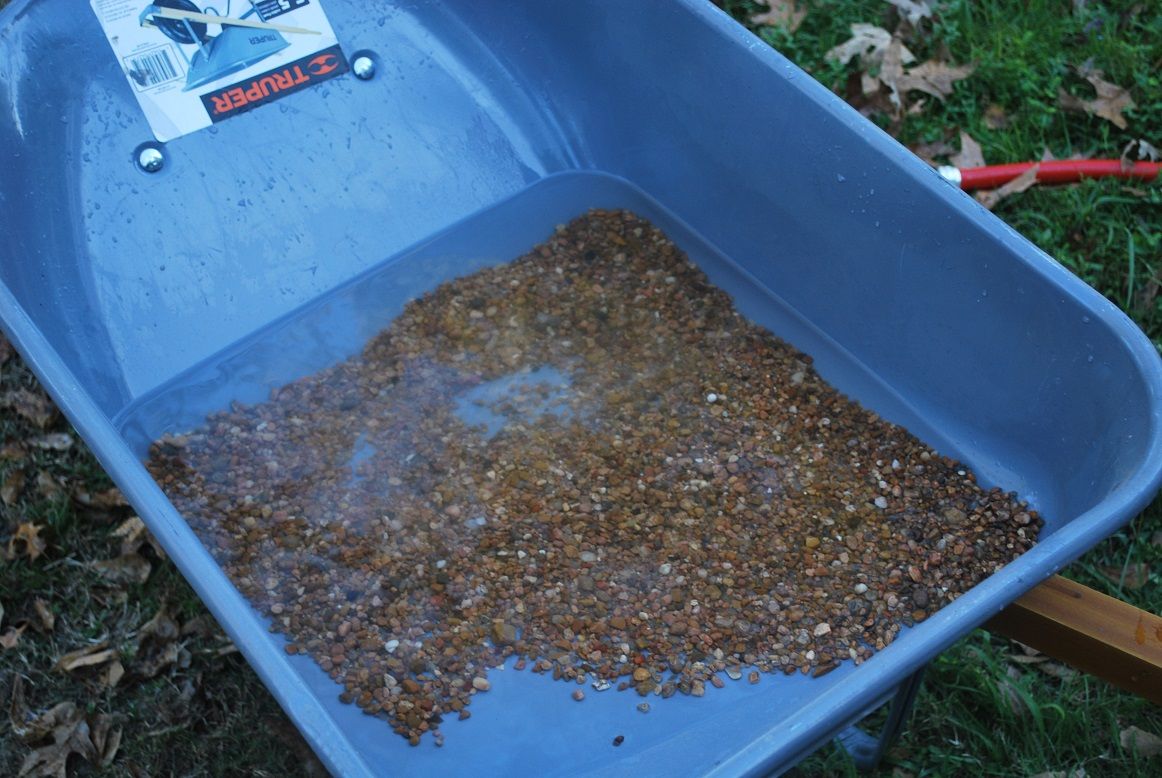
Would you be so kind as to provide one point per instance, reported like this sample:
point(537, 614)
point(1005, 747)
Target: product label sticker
point(191, 67)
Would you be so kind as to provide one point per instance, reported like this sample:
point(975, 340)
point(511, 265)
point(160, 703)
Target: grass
point(986, 709)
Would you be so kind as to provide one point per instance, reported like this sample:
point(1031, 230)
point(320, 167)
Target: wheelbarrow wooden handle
point(174, 13)
point(1094, 633)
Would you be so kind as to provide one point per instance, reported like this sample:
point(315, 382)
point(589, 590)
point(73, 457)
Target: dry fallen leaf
point(133, 534)
point(34, 406)
point(106, 500)
point(127, 568)
point(26, 542)
point(12, 450)
point(72, 736)
point(1143, 743)
point(1111, 100)
point(913, 10)
point(86, 656)
point(867, 42)
point(970, 155)
point(933, 78)
point(29, 727)
point(11, 636)
point(995, 117)
point(1057, 670)
point(44, 614)
point(47, 486)
point(1019, 184)
point(12, 487)
point(54, 441)
point(781, 13)
point(1135, 575)
point(930, 151)
point(114, 672)
point(1010, 694)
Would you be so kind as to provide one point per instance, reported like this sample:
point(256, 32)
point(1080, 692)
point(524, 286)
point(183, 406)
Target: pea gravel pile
point(674, 495)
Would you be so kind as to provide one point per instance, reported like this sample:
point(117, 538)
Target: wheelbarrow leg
point(867, 750)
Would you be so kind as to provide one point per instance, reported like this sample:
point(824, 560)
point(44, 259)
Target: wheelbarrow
point(150, 278)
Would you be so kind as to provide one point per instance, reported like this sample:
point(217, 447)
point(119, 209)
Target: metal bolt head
point(363, 66)
point(150, 159)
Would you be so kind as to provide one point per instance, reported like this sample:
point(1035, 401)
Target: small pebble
point(753, 676)
point(712, 398)
point(578, 695)
point(643, 707)
point(601, 685)
point(881, 502)
point(617, 741)
point(860, 588)
point(481, 684)
point(717, 682)
point(734, 672)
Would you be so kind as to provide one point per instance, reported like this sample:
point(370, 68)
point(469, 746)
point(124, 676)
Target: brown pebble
point(717, 682)
point(753, 676)
point(481, 684)
point(578, 695)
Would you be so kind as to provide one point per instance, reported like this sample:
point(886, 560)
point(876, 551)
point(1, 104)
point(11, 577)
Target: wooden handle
point(173, 13)
point(1086, 629)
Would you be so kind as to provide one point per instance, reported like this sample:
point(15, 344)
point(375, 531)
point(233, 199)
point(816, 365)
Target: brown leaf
point(1017, 185)
point(106, 739)
point(933, 78)
point(969, 155)
point(86, 656)
point(47, 486)
point(44, 614)
point(1111, 100)
point(12, 487)
point(11, 636)
point(106, 500)
point(125, 569)
point(1057, 670)
point(1132, 577)
point(930, 151)
point(913, 10)
point(12, 450)
point(781, 13)
point(161, 628)
point(131, 532)
point(995, 117)
point(170, 654)
point(27, 542)
point(1143, 743)
point(114, 672)
point(1010, 694)
point(867, 42)
point(33, 406)
point(71, 737)
point(53, 441)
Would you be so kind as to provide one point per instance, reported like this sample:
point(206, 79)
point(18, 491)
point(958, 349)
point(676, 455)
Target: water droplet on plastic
point(1089, 358)
point(1085, 320)
point(840, 177)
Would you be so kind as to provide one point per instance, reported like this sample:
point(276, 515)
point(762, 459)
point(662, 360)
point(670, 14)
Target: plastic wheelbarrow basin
point(277, 242)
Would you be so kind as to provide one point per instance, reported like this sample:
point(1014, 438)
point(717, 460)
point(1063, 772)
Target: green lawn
point(187, 704)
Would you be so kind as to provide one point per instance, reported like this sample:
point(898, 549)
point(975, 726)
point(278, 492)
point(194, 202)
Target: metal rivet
point(363, 66)
point(150, 159)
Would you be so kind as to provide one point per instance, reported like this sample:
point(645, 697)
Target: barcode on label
point(151, 68)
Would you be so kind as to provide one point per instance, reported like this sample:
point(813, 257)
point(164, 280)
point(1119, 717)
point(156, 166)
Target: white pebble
point(860, 588)
point(712, 398)
point(588, 556)
point(896, 464)
point(391, 646)
point(881, 502)
point(665, 569)
point(441, 564)
point(822, 629)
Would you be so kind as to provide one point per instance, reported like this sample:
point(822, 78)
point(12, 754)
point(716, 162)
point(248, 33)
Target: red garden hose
point(1065, 171)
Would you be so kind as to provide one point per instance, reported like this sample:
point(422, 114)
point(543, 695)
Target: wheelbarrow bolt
point(150, 159)
point(364, 67)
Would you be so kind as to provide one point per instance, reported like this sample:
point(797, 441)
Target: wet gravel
point(588, 459)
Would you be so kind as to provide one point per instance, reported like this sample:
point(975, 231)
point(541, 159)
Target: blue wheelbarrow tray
point(258, 253)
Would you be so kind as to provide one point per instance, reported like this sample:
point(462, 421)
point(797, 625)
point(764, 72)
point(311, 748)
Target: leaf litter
point(780, 13)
